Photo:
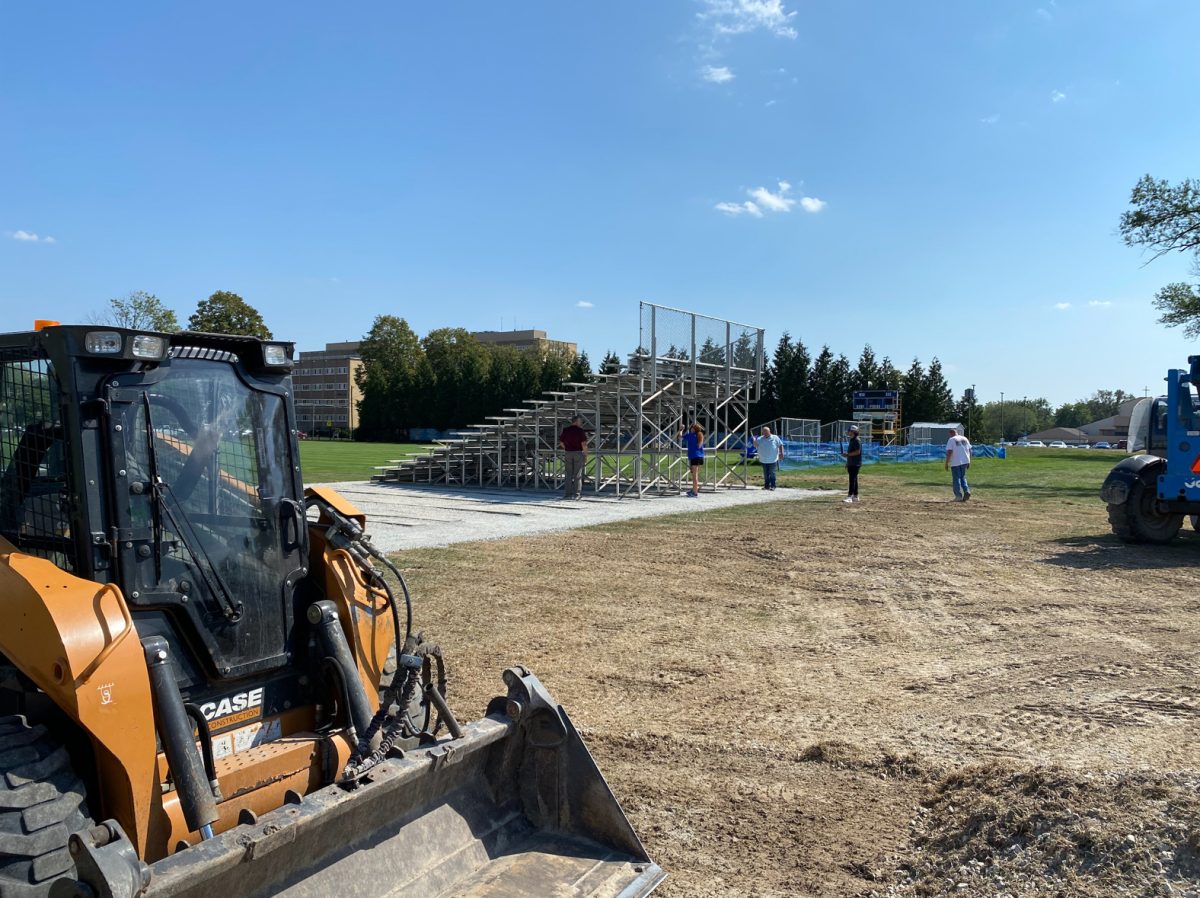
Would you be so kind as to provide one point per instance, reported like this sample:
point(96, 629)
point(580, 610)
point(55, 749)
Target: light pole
point(1003, 435)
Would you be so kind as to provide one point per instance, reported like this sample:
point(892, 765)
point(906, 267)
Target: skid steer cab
point(210, 682)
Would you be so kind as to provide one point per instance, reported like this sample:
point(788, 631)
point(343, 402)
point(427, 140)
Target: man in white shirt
point(958, 459)
point(770, 451)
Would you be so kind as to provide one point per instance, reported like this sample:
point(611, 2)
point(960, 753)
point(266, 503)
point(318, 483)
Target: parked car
point(1033, 444)
point(1122, 444)
point(1057, 444)
point(1102, 445)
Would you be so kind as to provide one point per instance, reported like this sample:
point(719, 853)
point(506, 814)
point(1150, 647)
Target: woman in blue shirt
point(693, 441)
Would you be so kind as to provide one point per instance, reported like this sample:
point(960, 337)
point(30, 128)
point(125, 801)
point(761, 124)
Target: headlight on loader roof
point(103, 342)
point(148, 347)
point(275, 355)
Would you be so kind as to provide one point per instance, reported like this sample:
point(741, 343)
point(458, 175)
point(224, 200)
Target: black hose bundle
point(393, 719)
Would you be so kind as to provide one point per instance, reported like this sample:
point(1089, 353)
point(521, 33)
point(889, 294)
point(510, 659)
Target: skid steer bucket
point(515, 807)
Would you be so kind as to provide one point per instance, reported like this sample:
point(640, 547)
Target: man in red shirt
point(574, 443)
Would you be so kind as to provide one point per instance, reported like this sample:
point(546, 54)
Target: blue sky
point(930, 178)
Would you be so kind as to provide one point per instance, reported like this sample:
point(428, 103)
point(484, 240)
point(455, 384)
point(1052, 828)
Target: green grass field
point(1039, 474)
point(329, 460)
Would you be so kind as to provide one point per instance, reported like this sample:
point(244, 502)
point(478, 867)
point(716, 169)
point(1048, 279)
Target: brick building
point(531, 339)
point(326, 392)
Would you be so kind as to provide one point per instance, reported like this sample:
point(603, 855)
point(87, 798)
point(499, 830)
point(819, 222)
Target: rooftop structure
point(529, 339)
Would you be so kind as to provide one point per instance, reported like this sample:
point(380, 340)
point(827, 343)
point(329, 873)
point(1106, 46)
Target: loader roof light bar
point(39, 323)
point(145, 346)
point(103, 343)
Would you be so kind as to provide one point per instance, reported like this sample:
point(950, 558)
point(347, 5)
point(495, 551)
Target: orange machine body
point(78, 642)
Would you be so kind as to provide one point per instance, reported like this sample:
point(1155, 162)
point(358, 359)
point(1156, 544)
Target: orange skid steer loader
point(210, 685)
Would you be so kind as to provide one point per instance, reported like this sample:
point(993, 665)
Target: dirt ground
point(905, 697)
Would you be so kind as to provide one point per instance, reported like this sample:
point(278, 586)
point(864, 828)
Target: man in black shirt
point(853, 456)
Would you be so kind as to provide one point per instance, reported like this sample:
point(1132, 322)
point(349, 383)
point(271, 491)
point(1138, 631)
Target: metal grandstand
point(687, 368)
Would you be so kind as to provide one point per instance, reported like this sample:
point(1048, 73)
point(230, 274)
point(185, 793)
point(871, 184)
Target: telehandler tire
point(1139, 520)
point(42, 801)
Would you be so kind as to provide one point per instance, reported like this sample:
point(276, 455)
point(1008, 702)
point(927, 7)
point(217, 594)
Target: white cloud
point(990, 119)
point(744, 16)
point(739, 209)
point(1099, 303)
point(584, 304)
point(1057, 96)
point(763, 200)
point(774, 202)
point(769, 103)
point(30, 237)
point(1044, 14)
point(1062, 306)
point(717, 74)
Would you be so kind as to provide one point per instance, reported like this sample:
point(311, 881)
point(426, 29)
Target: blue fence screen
point(811, 455)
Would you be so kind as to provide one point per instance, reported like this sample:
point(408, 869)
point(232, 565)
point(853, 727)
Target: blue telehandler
point(1151, 492)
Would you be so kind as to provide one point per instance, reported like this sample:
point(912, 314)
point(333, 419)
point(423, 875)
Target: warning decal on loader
point(247, 737)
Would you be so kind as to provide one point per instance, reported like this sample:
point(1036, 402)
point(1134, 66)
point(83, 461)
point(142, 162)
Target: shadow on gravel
point(1107, 552)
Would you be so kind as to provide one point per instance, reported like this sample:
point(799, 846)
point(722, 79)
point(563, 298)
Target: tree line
point(797, 385)
point(448, 379)
point(221, 313)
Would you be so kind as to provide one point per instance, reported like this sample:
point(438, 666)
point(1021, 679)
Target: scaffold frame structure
point(839, 431)
point(794, 430)
point(878, 412)
point(687, 368)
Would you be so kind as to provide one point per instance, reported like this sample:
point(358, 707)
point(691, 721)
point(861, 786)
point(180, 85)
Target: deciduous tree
point(140, 310)
point(1166, 218)
point(228, 313)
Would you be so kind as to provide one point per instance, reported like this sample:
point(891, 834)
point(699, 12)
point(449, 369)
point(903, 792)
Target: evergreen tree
point(744, 356)
point(913, 395)
point(711, 353)
point(890, 377)
point(555, 369)
point(840, 379)
point(867, 374)
point(581, 369)
point(611, 364)
point(795, 391)
point(768, 408)
point(938, 393)
point(822, 389)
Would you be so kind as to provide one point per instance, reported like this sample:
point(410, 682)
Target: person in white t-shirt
point(770, 454)
point(958, 459)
